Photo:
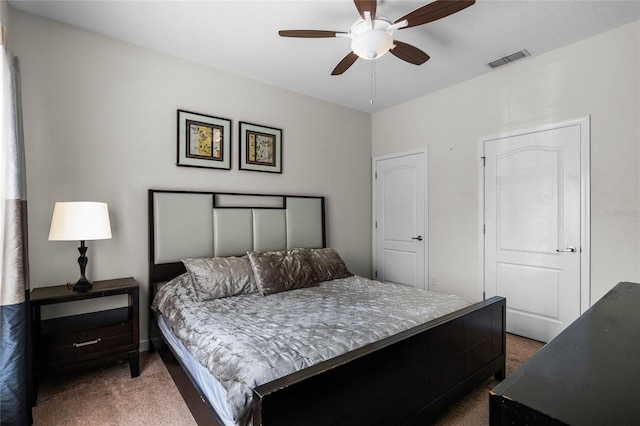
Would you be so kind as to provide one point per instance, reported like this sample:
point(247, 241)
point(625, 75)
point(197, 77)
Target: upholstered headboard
point(185, 224)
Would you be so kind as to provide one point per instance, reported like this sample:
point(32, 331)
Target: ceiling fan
point(372, 36)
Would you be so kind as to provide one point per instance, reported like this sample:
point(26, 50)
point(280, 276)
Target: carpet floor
point(108, 396)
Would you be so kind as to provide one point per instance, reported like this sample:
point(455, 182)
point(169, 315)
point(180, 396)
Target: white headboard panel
point(232, 231)
point(179, 214)
point(186, 224)
point(300, 213)
point(269, 229)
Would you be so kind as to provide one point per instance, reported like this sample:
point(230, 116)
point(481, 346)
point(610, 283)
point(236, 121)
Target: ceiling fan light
point(372, 44)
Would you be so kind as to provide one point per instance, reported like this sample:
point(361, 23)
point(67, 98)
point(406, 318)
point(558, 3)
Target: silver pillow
point(217, 277)
point(277, 271)
point(328, 265)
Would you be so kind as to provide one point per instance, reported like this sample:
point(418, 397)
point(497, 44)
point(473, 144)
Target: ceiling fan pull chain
point(373, 82)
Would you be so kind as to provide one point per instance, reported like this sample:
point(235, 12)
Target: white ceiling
point(241, 37)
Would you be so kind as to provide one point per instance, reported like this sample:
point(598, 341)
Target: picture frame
point(260, 148)
point(203, 141)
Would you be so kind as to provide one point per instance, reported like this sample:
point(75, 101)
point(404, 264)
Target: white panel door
point(400, 219)
point(532, 228)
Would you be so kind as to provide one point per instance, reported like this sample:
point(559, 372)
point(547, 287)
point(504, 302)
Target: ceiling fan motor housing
point(370, 39)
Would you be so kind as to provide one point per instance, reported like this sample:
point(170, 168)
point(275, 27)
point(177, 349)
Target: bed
point(403, 376)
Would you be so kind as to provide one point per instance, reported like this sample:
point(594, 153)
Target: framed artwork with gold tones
point(203, 141)
point(260, 148)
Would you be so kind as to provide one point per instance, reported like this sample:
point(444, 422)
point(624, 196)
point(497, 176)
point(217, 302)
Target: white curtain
point(15, 353)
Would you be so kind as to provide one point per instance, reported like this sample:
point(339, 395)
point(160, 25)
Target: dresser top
point(590, 373)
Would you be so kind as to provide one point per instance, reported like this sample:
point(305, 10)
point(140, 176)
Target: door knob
point(419, 238)
point(570, 249)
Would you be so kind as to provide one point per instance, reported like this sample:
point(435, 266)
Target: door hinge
point(484, 229)
point(484, 296)
point(376, 224)
point(375, 274)
point(484, 161)
point(376, 175)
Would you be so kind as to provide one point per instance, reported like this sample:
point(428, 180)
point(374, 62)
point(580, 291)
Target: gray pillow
point(277, 271)
point(328, 265)
point(217, 277)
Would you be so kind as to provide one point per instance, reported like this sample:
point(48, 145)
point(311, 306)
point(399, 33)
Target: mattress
point(248, 340)
point(211, 388)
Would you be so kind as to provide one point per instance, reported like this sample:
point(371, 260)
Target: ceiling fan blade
point(344, 64)
point(307, 33)
point(408, 53)
point(366, 6)
point(433, 11)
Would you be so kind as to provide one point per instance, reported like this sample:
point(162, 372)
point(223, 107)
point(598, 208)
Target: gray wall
point(4, 13)
point(100, 125)
point(599, 76)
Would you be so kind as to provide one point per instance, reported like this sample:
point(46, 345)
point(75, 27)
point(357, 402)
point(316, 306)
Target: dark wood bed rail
point(407, 378)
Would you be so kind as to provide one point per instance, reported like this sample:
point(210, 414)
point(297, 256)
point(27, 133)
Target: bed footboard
point(405, 379)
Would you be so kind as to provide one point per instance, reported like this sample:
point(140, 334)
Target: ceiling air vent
point(509, 58)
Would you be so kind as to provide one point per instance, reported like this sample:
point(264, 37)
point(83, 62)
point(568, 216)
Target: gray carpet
point(109, 396)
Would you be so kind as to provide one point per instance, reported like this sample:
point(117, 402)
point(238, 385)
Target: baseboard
point(144, 345)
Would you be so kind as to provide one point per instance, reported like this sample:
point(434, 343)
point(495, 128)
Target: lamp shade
point(80, 221)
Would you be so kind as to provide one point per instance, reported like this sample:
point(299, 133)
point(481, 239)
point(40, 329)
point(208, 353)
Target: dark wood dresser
point(69, 343)
point(588, 375)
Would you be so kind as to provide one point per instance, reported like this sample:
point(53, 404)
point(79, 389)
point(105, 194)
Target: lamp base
point(82, 285)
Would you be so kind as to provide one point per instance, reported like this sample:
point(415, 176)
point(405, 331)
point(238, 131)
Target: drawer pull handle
point(90, 342)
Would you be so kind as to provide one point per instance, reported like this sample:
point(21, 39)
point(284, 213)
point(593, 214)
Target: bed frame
point(407, 378)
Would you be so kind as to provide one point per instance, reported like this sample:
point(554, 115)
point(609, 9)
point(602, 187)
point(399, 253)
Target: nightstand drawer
point(71, 345)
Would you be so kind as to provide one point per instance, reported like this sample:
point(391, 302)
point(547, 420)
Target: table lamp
point(80, 221)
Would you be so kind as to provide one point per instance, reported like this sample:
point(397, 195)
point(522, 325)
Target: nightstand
point(62, 345)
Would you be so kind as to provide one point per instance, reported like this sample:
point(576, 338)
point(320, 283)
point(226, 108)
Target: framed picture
point(203, 141)
point(260, 148)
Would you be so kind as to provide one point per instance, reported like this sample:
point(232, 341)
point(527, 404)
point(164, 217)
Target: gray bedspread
point(249, 340)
